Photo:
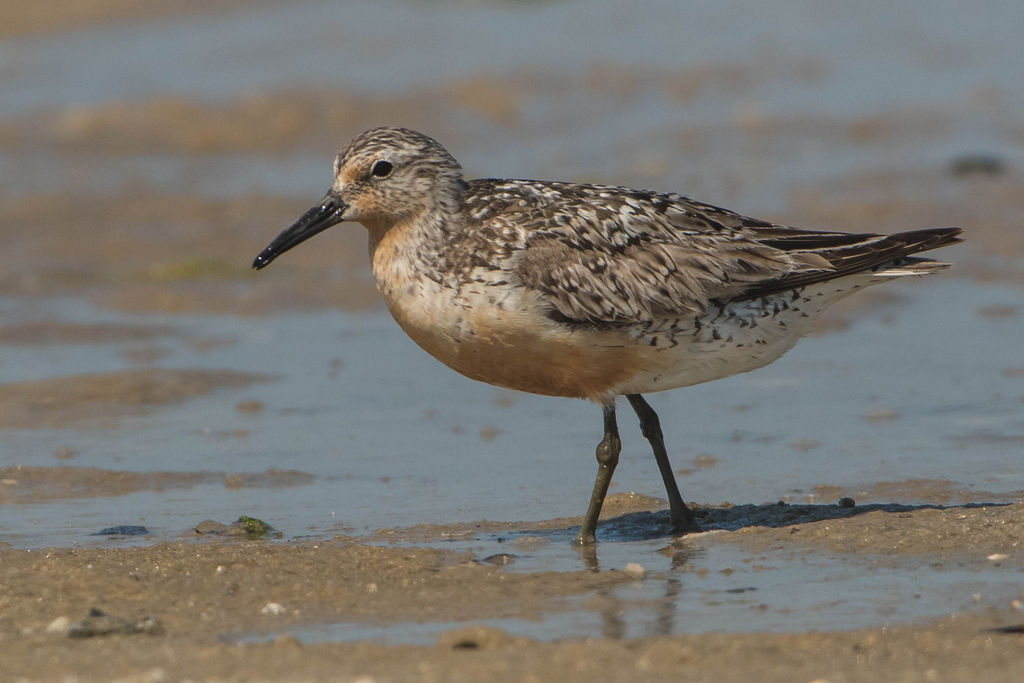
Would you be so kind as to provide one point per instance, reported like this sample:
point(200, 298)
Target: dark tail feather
point(884, 254)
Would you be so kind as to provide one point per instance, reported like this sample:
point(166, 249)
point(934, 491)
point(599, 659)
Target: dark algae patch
point(256, 528)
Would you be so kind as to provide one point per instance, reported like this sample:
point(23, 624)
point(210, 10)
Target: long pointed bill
point(317, 219)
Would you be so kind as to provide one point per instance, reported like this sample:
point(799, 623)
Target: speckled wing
point(612, 255)
point(602, 254)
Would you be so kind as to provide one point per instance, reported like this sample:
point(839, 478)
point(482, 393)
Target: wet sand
point(212, 600)
point(63, 15)
point(103, 398)
point(82, 223)
point(38, 484)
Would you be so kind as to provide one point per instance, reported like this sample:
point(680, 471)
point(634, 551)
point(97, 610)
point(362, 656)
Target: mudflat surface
point(224, 609)
point(860, 498)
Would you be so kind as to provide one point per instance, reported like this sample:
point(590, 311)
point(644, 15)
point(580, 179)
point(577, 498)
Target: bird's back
point(600, 254)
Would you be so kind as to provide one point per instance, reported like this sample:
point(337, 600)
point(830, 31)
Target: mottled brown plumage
point(586, 290)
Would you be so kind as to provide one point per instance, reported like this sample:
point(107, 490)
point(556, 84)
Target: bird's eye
point(382, 169)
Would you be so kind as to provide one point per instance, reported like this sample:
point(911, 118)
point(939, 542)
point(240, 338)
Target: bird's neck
point(409, 243)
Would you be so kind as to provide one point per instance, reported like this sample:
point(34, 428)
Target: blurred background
point(150, 150)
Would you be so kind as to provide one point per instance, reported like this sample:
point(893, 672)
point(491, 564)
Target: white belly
point(743, 336)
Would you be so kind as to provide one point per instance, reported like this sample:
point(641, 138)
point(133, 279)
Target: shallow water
point(394, 438)
point(394, 45)
point(736, 595)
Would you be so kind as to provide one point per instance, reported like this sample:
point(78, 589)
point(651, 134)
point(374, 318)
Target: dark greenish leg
point(607, 459)
point(682, 516)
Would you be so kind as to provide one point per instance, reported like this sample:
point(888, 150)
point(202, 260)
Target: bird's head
point(384, 177)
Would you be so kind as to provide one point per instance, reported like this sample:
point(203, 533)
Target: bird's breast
point(492, 330)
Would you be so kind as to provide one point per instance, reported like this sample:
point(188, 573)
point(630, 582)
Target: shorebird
point(589, 291)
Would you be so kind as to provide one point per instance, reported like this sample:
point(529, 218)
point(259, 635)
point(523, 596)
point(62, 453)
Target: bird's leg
point(682, 515)
point(607, 459)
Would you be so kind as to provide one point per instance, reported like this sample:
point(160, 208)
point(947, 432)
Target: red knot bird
point(589, 291)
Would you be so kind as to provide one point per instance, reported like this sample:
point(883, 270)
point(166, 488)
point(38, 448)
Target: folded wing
point(667, 256)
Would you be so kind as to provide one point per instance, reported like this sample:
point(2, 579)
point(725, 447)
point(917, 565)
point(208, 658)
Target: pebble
point(500, 559)
point(59, 626)
point(99, 623)
point(635, 570)
point(123, 530)
point(272, 608)
point(473, 637)
point(977, 164)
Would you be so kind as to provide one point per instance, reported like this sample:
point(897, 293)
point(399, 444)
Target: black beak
point(317, 219)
